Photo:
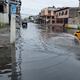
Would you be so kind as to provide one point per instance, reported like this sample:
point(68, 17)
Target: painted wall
point(75, 26)
point(4, 18)
point(62, 13)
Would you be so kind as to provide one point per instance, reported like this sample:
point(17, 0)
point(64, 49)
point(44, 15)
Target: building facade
point(47, 15)
point(67, 15)
point(64, 16)
point(5, 9)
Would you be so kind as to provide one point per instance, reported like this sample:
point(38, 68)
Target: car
point(77, 34)
point(24, 24)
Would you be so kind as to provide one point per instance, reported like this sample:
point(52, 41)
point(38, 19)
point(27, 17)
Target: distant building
point(64, 16)
point(67, 15)
point(47, 15)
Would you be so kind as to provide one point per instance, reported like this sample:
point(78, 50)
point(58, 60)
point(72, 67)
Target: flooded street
point(39, 40)
point(41, 55)
point(47, 55)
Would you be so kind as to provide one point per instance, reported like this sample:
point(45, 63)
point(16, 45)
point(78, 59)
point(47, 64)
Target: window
point(53, 21)
point(59, 13)
point(49, 11)
point(62, 13)
point(66, 12)
point(1, 9)
point(48, 17)
point(52, 17)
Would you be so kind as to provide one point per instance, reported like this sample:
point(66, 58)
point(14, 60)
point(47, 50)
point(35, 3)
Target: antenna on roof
point(54, 6)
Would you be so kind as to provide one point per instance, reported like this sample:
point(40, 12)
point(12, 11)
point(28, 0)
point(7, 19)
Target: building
point(62, 17)
point(67, 15)
point(47, 15)
point(4, 11)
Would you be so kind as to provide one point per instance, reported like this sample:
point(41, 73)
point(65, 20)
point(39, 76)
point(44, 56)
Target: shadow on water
point(46, 55)
point(77, 54)
point(10, 65)
point(5, 60)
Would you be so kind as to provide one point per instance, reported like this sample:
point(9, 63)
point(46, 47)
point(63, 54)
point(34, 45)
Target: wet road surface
point(43, 55)
point(47, 55)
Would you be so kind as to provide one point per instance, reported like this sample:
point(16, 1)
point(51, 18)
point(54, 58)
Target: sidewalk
point(5, 37)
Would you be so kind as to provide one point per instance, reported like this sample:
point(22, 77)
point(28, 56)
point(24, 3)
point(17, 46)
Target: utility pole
point(10, 3)
point(12, 20)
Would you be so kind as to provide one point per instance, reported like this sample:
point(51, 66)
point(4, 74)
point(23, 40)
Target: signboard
point(13, 9)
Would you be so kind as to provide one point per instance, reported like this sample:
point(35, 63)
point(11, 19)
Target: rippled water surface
point(48, 55)
point(44, 55)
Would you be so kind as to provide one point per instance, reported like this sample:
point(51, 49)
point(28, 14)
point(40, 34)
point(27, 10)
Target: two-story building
point(67, 15)
point(47, 15)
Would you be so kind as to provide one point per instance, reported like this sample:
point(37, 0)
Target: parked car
point(77, 34)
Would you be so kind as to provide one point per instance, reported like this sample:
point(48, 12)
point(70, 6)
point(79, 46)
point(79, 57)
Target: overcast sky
point(34, 6)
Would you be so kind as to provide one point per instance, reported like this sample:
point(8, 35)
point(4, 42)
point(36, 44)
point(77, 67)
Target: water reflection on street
point(5, 63)
point(42, 55)
point(48, 55)
point(9, 65)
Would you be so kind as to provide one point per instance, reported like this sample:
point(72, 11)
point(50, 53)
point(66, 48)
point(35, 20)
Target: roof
point(63, 8)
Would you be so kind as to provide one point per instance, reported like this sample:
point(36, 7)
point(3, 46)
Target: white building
point(4, 12)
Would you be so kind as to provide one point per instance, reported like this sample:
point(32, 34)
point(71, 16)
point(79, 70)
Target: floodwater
point(44, 55)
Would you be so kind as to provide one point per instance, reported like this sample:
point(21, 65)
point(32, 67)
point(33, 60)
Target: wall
point(75, 26)
point(73, 12)
point(74, 20)
point(64, 15)
point(4, 18)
